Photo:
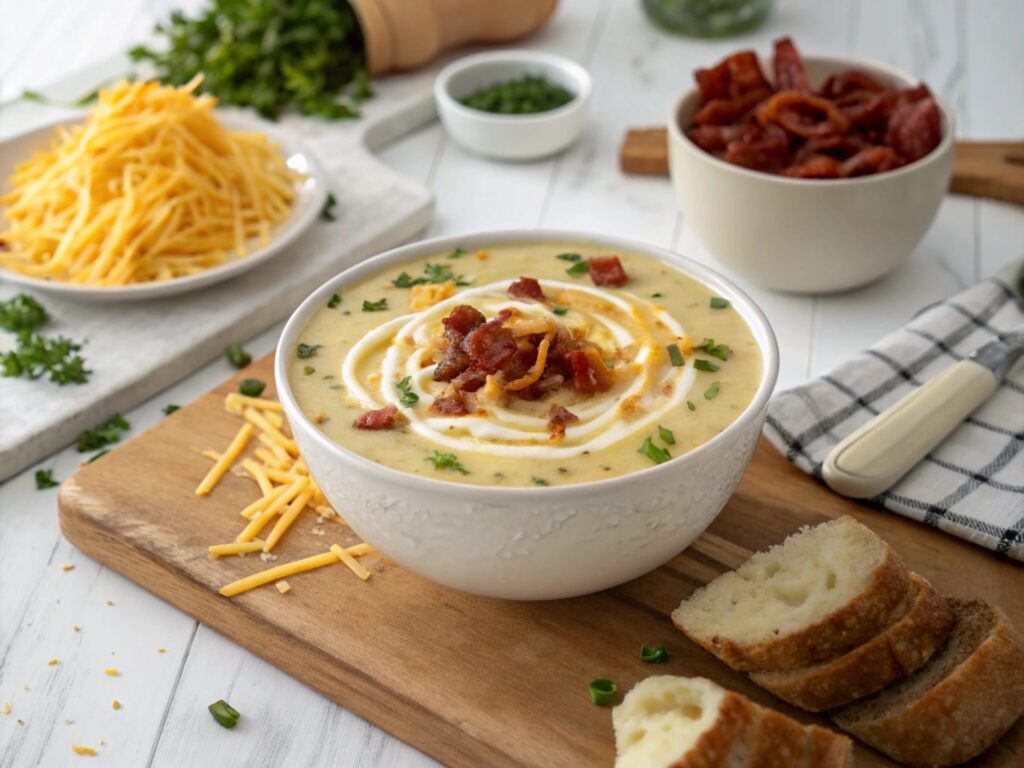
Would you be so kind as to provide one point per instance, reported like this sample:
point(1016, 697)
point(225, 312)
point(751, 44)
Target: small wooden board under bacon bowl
point(469, 680)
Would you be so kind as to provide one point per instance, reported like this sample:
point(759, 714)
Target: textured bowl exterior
point(808, 236)
point(531, 543)
point(511, 137)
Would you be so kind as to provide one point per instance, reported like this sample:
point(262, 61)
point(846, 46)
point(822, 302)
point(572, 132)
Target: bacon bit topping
point(382, 418)
point(537, 370)
point(589, 373)
point(450, 405)
point(607, 270)
point(462, 320)
point(526, 288)
point(558, 417)
point(490, 346)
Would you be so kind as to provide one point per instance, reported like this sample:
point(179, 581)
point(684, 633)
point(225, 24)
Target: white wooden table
point(89, 618)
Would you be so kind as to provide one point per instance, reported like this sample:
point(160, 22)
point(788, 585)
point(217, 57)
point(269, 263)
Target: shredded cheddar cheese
point(278, 572)
point(425, 296)
point(236, 548)
point(85, 751)
point(288, 517)
point(351, 562)
point(233, 451)
point(112, 672)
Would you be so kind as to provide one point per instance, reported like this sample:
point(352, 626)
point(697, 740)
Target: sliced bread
point(922, 623)
point(679, 722)
point(824, 590)
point(958, 704)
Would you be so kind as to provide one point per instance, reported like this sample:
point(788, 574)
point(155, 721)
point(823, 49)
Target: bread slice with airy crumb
point(958, 704)
point(824, 590)
point(921, 625)
point(679, 722)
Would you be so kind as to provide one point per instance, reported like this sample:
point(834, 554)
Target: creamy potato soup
point(525, 365)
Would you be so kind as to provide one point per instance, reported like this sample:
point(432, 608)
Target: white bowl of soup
point(527, 414)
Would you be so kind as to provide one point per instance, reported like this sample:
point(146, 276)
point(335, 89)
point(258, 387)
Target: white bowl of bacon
point(531, 543)
point(821, 176)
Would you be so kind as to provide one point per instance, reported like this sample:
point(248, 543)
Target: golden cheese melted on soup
point(525, 365)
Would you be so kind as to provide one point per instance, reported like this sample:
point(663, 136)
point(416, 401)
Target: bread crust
point(920, 628)
point(963, 714)
point(715, 748)
point(845, 628)
point(827, 749)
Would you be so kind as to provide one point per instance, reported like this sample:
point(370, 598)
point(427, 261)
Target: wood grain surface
point(471, 681)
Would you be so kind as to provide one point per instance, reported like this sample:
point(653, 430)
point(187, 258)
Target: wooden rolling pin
point(980, 168)
point(405, 34)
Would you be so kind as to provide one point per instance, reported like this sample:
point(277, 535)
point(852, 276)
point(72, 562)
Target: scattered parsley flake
point(237, 356)
point(574, 257)
point(446, 461)
point(560, 310)
point(44, 479)
point(705, 365)
point(406, 396)
point(435, 274)
point(309, 370)
point(334, 301)
point(327, 212)
point(458, 253)
point(579, 268)
point(690, 405)
point(170, 408)
point(717, 302)
point(666, 435)
point(721, 351)
point(712, 391)
point(306, 351)
point(251, 387)
point(653, 452)
point(107, 433)
point(36, 356)
point(539, 480)
point(375, 306)
point(22, 313)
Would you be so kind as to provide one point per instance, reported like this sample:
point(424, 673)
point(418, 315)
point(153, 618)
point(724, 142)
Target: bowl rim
point(678, 136)
point(578, 73)
point(752, 314)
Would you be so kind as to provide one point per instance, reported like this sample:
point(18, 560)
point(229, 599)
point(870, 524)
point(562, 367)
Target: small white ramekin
point(539, 542)
point(808, 235)
point(511, 137)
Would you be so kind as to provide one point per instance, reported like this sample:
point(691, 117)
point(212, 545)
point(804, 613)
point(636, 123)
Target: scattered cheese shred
point(89, 751)
point(234, 450)
point(235, 402)
point(53, 662)
point(259, 475)
point(75, 628)
point(260, 504)
point(112, 671)
point(259, 522)
point(236, 548)
point(117, 704)
point(67, 567)
point(288, 517)
point(351, 562)
point(258, 419)
point(5, 709)
point(278, 572)
point(283, 587)
point(161, 650)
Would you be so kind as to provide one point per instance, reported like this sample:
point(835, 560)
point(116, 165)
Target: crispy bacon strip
point(526, 288)
point(537, 370)
point(607, 270)
point(790, 74)
point(382, 418)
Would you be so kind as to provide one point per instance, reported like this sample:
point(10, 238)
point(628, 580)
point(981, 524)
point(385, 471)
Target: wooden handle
point(404, 35)
point(874, 457)
point(980, 168)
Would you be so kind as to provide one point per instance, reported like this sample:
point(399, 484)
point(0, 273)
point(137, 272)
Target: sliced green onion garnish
point(170, 408)
point(251, 387)
point(45, 479)
point(375, 306)
point(309, 370)
point(569, 257)
point(690, 405)
point(560, 310)
point(717, 302)
point(705, 365)
point(224, 713)
point(579, 268)
point(602, 692)
point(675, 355)
point(539, 480)
point(711, 392)
point(666, 435)
point(306, 351)
point(657, 295)
point(653, 654)
point(237, 356)
point(653, 452)
point(334, 301)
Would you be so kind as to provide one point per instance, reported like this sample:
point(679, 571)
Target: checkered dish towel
point(972, 485)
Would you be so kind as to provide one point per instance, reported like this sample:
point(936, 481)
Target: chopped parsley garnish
point(334, 301)
point(375, 306)
point(717, 302)
point(458, 253)
point(269, 55)
point(327, 212)
point(675, 355)
point(107, 433)
point(446, 461)
point(653, 654)
point(91, 459)
point(579, 268)
point(656, 295)
point(224, 713)
point(309, 370)
point(666, 435)
point(328, 376)
point(170, 408)
point(237, 356)
point(560, 310)
point(721, 351)
point(520, 96)
point(539, 481)
point(252, 387)
point(653, 452)
point(406, 396)
point(705, 365)
point(37, 356)
point(22, 313)
point(690, 405)
point(435, 274)
point(712, 391)
point(569, 257)
point(602, 692)
point(336, 386)
point(44, 479)
point(306, 351)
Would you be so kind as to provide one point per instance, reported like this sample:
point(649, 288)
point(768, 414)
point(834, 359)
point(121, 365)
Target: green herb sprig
point(44, 479)
point(102, 435)
point(435, 274)
point(375, 306)
point(22, 313)
point(406, 396)
point(446, 461)
point(237, 356)
point(36, 356)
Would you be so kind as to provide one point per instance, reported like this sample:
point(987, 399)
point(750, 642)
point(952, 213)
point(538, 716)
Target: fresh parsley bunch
point(268, 55)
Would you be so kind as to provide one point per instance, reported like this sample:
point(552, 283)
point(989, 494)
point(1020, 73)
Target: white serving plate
point(312, 193)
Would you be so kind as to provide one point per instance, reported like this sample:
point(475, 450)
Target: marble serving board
point(136, 349)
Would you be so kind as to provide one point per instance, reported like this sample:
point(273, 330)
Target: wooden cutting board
point(471, 681)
